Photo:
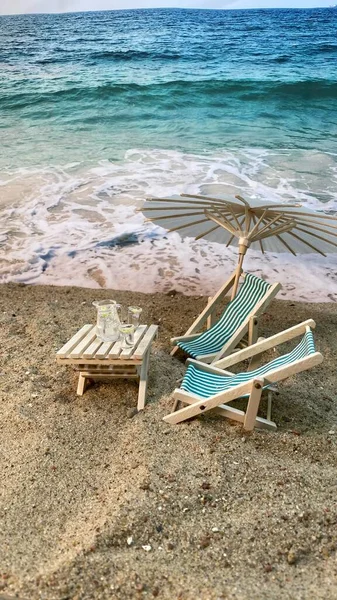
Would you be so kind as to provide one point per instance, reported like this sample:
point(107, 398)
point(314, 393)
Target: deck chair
point(239, 318)
point(207, 387)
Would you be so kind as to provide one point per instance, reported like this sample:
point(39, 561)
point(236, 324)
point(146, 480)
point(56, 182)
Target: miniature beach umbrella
point(261, 225)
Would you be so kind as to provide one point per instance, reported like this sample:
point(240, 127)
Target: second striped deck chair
point(239, 318)
point(207, 387)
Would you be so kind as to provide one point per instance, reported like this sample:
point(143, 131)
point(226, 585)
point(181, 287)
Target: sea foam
point(80, 224)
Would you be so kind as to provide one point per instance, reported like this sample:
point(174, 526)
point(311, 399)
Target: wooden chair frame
point(207, 316)
point(252, 387)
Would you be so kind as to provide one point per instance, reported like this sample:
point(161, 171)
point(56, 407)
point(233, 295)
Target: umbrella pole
point(243, 245)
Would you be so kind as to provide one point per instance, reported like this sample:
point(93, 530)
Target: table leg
point(81, 385)
point(143, 381)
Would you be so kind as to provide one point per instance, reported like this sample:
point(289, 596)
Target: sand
point(100, 503)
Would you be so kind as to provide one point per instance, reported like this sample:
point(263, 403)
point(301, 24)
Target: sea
point(101, 110)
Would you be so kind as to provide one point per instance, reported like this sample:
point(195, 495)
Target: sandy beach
point(99, 111)
point(98, 502)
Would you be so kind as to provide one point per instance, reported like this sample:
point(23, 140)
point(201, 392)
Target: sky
point(31, 6)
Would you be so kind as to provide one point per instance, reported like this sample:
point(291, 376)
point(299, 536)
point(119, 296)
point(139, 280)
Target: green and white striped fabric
point(236, 312)
point(206, 385)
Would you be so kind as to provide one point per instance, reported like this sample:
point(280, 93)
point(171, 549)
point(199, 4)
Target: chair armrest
point(185, 338)
point(208, 368)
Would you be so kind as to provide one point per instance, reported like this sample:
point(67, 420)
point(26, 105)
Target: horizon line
point(77, 12)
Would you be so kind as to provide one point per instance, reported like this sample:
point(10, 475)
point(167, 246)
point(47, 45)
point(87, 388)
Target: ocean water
point(100, 110)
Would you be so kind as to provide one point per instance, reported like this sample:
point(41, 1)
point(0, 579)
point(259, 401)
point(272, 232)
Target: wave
point(109, 55)
point(179, 91)
point(324, 48)
point(128, 252)
point(128, 55)
point(54, 60)
point(117, 56)
point(281, 59)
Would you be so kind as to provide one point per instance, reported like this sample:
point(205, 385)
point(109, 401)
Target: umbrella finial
point(238, 197)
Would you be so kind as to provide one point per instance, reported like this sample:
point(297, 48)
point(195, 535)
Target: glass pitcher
point(108, 320)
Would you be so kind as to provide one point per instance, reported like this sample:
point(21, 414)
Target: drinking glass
point(134, 313)
point(127, 331)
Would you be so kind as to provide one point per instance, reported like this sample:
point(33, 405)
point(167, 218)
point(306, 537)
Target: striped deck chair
point(239, 318)
point(207, 387)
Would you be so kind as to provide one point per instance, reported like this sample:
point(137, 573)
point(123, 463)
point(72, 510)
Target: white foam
point(54, 220)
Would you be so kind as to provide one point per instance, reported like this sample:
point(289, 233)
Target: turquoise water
point(98, 84)
point(98, 110)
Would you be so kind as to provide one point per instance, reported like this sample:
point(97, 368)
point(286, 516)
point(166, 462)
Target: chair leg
point(255, 361)
point(253, 405)
point(143, 381)
point(175, 404)
point(81, 385)
point(270, 399)
point(228, 412)
point(253, 330)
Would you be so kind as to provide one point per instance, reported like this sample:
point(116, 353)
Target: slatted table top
point(85, 345)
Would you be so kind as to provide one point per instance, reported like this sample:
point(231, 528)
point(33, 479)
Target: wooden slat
point(230, 412)
point(139, 333)
point(90, 375)
point(202, 405)
point(83, 344)
point(92, 349)
point(104, 350)
point(106, 367)
point(207, 368)
point(145, 342)
point(186, 338)
point(235, 414)
point(94, 361)
point(72, 343)
point(115, 350)
point(122, 370)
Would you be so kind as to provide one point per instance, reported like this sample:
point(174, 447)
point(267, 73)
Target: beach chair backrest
point(303, 349)
point(236, 312)
point(250, 293)
point(251, 300)
point(206, 384)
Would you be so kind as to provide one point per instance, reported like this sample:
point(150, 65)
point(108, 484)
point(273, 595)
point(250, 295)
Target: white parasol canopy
point(262, 225)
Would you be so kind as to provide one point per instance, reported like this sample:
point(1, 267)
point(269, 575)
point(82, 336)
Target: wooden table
point(96, 359)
